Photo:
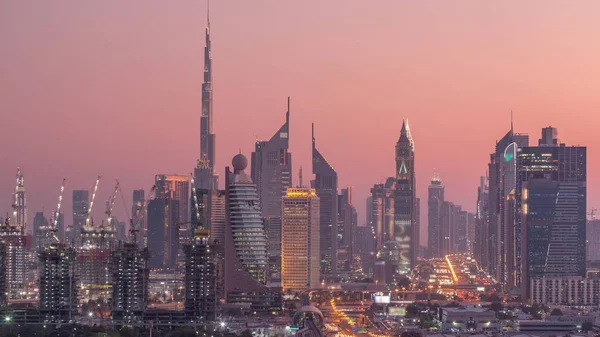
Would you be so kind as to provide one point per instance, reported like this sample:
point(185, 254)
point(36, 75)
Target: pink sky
point(113, 87)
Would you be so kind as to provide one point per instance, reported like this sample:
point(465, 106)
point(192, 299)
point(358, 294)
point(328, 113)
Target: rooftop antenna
point(300, 174)
point(511, 121)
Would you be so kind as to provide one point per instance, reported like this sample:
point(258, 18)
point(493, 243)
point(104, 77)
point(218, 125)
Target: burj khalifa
point(205, 170)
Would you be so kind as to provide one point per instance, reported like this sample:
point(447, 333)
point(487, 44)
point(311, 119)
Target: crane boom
point(197, 208)
point(89, 212)
point(134, 225)
point(110, 204)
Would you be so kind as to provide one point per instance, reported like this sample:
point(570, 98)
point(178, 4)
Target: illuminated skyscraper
point(200, 278)
point(406, 231)
point(81, 203)
point(300, 243)
point(58, 284)
point(382, 211)
point(551, 203)
point(130, 276)
point(271, 167)
point(16, 256)
point(138, 212)
point(204, 173)
point(325, 184)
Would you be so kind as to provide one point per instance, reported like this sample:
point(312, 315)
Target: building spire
point(313, 135)
point(208, 14)
point(287, 114)
point(511, 122)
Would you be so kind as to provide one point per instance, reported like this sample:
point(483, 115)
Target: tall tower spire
point(205, 170)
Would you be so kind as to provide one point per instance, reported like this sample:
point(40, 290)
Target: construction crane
point(88, 220)
point(57, 213)
point(592, 213)
point(18, 205)
point(109, 205)
point(196, 206)
point(134, 225)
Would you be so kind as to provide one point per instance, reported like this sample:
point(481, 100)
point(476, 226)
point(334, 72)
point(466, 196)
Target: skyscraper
point(163, 217)
point(382, 211)
point(593, 241)
point(271, 167)
point(81, 199)
point(16, 244)
point(347, 221)
point(434, 207)
point(39, 222)
point(19, 206)
point(300, 246)
point(246, 262)
point(204, 173)
point(406, 233)
point(551, 201)
point(325, 184)
point(480, 246)
point(174, 189)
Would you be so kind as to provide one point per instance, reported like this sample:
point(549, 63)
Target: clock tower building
point(406, 231)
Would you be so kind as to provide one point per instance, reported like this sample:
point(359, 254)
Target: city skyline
point(53, 150)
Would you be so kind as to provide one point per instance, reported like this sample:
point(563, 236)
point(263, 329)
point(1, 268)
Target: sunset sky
point(113, 87)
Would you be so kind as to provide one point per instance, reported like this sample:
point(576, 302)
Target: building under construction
point(58, 286)
point(130, 276)
point(16, 255)
point(200, 279)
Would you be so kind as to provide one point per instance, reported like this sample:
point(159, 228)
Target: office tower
point(271, 167)
point(245, 241)
point(39, 221)
point(19, 216)
point(16, 243)
point(347, 219)
point(551, 201)
point(382, 211)
point(81, 199)
point(120, 229)
point(300, 245)
point(461, 231)
point(593, 240)
point(200, 278)
point(435, 200)
point(163, 218)
point(325, 183)
point(368, 212)
point(419, 250)
point(481, 245)
point(448, 228)
point(566, 291)
point(130, 276)
point(3, 275)
point(204, 172)
point(58, 284)
point(502, 228)
point(471, 234)
point(140, 215)
point(406, 232)
point(364, 247)
point(175, 188)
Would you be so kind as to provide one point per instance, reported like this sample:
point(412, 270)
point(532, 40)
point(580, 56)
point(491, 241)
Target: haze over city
point(113, 88)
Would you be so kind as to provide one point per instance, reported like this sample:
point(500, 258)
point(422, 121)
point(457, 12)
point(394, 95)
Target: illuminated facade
point(139, 215)
point(551, 206)
point(381, 210)
point(16, 257)
point(130, 276)
point(271, 167)
point(200, 278)
point(325, 184)
point(406, 231)
point(58, 286)
point(300, 250)
point(94, 261)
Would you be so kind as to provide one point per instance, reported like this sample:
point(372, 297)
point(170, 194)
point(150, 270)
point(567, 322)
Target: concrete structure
point(130, 279)
point(435, 201)
point(3, 274)
point(300, 240)
point(271, 171)
point(94, 261)
point(200, 279)
point(347, 220)
point(325, 184)
point(163, 216)
point(406, 231)
point(204, 172)
point(140, 215)
point(58, 286)
point(481, 246)
point(566, 290)
point(39, 222)
point(593, 241)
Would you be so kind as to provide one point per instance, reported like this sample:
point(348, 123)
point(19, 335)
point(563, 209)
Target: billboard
point(397, 311)
point(381, 299)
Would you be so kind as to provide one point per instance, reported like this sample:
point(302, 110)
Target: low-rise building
point(463, 319)
point(566, 290)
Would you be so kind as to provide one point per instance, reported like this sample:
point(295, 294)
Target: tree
point(496, 306)
point(587, 326)
point(556, 312)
